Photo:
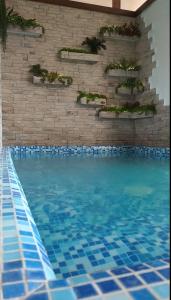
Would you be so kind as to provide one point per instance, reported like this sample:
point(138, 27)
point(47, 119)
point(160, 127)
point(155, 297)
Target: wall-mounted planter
point(82, 57)
point(32, 32)
point(56, 83)
point(123, 115)
point(115, 36)
point(96, 102)
point(122, 73)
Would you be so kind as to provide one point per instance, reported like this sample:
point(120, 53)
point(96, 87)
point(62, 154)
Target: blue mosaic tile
point(165, 273)
point(162, 291)
point(12, 276)
point(130, 281)
point(108, 286)
point(13, 290)
point(151, 277)
point(84, 291)
point(142, 294)
point(60, 291)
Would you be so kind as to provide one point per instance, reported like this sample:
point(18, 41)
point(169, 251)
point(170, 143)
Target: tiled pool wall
point(24, 264)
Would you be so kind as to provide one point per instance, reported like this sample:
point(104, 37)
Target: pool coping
point(26, 269)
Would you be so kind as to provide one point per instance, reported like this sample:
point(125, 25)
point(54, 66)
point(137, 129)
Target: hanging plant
point(14, 19)
point(3, 23)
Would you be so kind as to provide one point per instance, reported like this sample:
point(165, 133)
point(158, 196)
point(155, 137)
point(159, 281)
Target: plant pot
point(115, 36)
point(122, 73)
point(107, 115)
point(96, 102)
point(37, 80)
point(16, 30)
point(76, 56)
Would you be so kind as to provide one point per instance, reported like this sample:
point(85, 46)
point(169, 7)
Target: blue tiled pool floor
point(27, 273)
point(98, 212)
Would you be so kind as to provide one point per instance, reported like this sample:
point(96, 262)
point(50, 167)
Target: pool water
point(97, 212)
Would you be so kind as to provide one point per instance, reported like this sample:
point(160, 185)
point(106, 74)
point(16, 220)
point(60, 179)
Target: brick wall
point(46, 116)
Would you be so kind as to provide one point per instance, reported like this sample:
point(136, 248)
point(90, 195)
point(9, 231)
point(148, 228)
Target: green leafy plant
point(90, 96)
point(36, 70)
point(123, 64)
point(132, 108)
point(51, 77)
point(75, 50)
point(13, 18)
point(94, 44)
point(3, 24)
point(131, 84)
point(131, 29)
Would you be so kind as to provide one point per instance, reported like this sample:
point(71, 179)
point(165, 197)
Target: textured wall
point(154, 131)
point(158, 14)
point(48, 116)
point(40, 115)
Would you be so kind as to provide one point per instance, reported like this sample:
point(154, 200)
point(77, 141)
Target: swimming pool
point(97, 211)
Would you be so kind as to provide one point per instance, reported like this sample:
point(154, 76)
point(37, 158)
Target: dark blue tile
point(84, 291)
point(57, 283)
point(139, 267)
point(35, 275)
point(108, 286)
point(130, 281)
point(142, 294)
point(12, 276)
point(165, 273)
point(120, 271)
point(13, 265)
point(100, 275)
point(13, 290)
point(151, 277)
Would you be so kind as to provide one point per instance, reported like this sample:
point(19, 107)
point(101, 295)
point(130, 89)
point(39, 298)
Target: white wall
point(97, 2)
point(131, 4)
point(157, 14)
point(0, 103)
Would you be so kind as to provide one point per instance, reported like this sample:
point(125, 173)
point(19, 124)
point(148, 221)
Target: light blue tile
point(63, 295)
point(162, 291)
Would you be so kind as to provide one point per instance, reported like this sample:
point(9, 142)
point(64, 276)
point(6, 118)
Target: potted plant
point(128, 110)
point(15, 20)
point(51, 78)
point(94, 44)
point(127, 29)
point(123, 67)
point(133, 85)
point(91, 98)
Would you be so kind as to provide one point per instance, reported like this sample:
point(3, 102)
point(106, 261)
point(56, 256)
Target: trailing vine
point(3, 23)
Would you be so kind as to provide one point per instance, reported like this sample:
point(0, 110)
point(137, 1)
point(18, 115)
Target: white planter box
point(122, 73)
point(74, 56)
point(115, 36)
point(96, 102)
point(33, 32)
point(123, 115)
point(38, 81)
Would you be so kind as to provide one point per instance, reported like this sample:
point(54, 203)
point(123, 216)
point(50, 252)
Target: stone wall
point(50, 116)
point(40, 115)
